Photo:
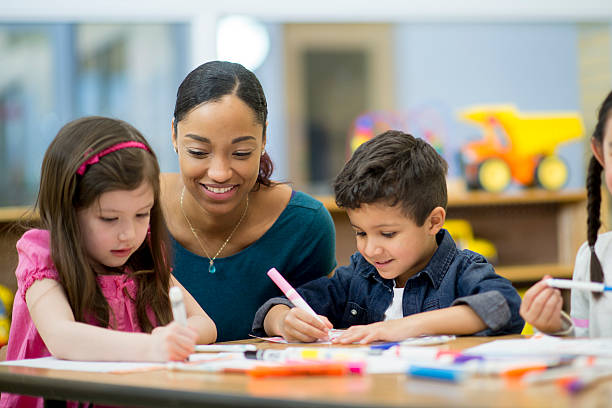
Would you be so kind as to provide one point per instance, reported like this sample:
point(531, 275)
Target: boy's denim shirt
point(357, 294)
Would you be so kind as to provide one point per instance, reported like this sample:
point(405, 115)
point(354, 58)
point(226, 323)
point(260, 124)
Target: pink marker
point(291, 294)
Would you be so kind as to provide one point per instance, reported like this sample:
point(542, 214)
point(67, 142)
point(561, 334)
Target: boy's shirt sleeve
point(492, 297)
point(326, 296)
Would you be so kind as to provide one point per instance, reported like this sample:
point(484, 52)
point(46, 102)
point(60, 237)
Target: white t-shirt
point(593, 318)
point(395, 310)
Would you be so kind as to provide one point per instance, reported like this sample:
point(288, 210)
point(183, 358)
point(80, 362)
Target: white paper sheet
point(543, 346)
point(89, 366)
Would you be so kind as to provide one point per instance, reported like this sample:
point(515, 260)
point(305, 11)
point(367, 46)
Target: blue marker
point(572, 284)
point(436, 373)
point(383, 346)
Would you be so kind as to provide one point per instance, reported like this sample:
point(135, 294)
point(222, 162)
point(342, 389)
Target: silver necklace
point(211, 266)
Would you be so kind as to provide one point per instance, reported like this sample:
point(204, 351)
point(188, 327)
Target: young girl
point(93, 283)
point(590, 312)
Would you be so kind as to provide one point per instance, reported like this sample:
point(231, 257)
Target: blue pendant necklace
point(211, 265)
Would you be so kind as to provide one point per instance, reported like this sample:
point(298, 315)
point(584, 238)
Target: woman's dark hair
point(64, 191)
point(593, 184)
point(395, 168)
point(210, 82)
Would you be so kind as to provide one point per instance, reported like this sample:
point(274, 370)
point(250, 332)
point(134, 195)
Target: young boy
point(408, 278)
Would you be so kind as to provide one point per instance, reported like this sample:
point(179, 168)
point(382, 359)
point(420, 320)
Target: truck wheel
point(551, 173)
point(494, 175)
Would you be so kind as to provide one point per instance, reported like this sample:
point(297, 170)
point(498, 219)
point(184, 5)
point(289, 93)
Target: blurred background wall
point(326, 64)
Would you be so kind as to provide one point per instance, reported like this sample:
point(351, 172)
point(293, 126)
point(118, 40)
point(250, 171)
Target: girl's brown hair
point(63, 192)
point(593, 184)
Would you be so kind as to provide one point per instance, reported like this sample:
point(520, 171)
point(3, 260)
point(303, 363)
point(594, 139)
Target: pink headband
point(96, 157)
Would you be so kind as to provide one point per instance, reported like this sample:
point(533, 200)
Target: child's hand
point(541, 307)
point(299, 325)
point(390, 330)
point(172, 342)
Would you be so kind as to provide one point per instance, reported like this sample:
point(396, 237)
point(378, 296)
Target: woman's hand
point(541, 307)
point(172, 342)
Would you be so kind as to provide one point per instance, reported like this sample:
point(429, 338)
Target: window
point(53, 73)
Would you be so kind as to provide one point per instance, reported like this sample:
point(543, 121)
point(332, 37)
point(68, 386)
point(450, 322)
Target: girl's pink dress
point(24, 341)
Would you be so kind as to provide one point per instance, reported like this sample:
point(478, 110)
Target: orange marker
point(518, 372)
point(300, 369)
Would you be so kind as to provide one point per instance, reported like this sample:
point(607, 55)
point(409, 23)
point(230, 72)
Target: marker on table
point(572, 284)
point(436, 373)
point(227, 348)
point(583, 380)
point(266, 354)
point(178, 307)
point(302, 369)
point(291, 294)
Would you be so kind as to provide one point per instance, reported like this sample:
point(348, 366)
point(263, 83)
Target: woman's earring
point(263, 152)
point(175, 149)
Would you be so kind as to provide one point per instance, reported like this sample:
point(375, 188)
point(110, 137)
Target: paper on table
point(426, 340)
point(397, 361)
point(543, 346)
point(220, 365)
point(333, 333)
point(224, 347)
point(89, 366)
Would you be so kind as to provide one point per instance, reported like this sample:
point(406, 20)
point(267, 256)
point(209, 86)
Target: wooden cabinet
point(8, 238)
point(536, 232)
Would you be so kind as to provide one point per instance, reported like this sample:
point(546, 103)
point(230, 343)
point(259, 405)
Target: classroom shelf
point(483, 198)
point(530, 273)
point(10, 214)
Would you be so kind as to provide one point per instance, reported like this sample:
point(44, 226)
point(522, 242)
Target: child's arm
point(327, 297)
point(541, 307)
point(65, 338)
point(197, 318)
point(295, 324)
point(459, 319)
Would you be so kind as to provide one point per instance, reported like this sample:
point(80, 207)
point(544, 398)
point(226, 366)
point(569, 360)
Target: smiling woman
point(229, 222)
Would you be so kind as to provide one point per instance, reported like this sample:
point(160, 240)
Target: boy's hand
point(541, 307)
point(172, 342)
point(298, 325)
point(390, 330)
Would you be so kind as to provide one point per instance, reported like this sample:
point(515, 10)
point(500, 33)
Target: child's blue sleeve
point(326, 296)
point(492, 297)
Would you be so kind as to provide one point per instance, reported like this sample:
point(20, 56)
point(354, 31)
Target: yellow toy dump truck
point(518, 146)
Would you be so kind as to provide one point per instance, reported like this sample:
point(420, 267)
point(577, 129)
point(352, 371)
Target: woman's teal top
point(300, 244)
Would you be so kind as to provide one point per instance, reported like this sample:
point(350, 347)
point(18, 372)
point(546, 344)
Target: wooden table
point(187, 389)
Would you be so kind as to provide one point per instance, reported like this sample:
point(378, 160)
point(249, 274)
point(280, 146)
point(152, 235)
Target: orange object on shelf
point(518, 146)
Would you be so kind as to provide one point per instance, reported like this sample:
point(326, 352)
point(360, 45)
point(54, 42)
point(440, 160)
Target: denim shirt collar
point(435, 269)
point(441, 260)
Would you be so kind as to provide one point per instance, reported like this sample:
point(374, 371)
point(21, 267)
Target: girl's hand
point(299, 325)
point(541, 307)
point(172, 342)
point(390, 330)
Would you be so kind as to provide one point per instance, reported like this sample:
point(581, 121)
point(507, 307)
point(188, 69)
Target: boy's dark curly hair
point(394, 168)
